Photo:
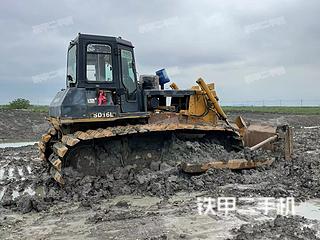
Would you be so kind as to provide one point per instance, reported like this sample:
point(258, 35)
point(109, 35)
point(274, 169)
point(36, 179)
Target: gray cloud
point(190, 38)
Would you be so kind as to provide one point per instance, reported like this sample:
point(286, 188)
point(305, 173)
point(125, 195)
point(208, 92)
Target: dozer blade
point(277, 139)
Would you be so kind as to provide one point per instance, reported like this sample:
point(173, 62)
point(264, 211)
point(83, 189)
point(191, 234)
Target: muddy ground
point(160, 202)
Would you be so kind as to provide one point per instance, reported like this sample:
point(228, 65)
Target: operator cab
point(104, 63)
point(101, 79)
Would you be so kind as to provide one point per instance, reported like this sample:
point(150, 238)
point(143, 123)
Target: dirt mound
point(21, 125)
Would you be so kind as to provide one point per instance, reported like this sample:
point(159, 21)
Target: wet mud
point(158, 202)
point(280, 228)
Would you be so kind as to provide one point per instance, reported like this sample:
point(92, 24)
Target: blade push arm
point(212, 98)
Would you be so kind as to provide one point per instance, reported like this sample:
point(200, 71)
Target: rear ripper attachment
point(106, 118)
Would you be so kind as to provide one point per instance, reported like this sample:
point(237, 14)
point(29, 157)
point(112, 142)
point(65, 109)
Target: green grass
point(33, 108)
point(283, 110)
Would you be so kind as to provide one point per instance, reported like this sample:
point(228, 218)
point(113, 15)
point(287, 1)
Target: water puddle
point(184, 196)
point(10, 173)
point(15, 194)
point(39, 191)
point(313, 152)
point(312, 127)
point(1, 173)
point(2, 193)
point(136, 201)
point(20, 171)
point(30, 191)
point(16, 144)
point(309, 209)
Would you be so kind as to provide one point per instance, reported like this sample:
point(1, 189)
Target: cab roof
point(118, 40)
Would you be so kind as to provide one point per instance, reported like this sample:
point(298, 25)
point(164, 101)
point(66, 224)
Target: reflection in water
point(309, 209)
point(17, 144)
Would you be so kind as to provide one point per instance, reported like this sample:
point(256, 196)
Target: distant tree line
point(22, 103)
point(19, 103)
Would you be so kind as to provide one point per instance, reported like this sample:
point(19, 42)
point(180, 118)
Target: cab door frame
point(127, 105)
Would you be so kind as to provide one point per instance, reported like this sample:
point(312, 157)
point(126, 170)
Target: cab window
point(71, 65)
point(128, 74)
point(99, 63)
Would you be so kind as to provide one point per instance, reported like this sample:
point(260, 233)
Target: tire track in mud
point(16, 174)
point(15, 180)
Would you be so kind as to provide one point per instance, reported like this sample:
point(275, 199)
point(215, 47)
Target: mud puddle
point(309, 209)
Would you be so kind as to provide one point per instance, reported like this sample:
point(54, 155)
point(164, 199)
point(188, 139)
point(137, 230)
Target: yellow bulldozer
point(107, 117)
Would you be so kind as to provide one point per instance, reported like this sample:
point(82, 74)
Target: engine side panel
point(80, 103)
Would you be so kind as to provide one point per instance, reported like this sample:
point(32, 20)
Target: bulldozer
point(133, 120)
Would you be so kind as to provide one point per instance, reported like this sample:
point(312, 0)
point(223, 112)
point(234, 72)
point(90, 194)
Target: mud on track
point(160, 202)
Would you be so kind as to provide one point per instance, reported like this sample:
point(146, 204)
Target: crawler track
point(97, 152)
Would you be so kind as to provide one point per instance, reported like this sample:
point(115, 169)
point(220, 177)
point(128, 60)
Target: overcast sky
point(252, 50)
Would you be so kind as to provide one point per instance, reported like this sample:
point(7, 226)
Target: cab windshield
point(99, 63)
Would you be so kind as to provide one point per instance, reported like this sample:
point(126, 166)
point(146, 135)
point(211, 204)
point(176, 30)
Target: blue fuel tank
point(163, 77)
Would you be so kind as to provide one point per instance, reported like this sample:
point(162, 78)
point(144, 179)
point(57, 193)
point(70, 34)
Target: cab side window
point(71, 65)
point(128, 74)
